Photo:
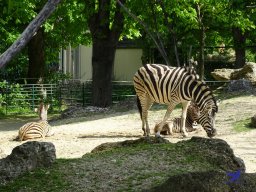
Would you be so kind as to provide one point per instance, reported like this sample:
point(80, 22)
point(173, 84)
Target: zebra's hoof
point(185, 135)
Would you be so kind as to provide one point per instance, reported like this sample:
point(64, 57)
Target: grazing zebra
point(171, 86)
point(34, 130)
point(174, 125)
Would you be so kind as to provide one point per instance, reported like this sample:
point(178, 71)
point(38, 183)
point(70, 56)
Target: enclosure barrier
point(71, 93)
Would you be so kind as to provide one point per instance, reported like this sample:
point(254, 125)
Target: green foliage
point(66, 26)
point(56, 77)
point(12, 93)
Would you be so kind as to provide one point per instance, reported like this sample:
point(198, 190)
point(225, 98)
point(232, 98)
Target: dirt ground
point(75, 137)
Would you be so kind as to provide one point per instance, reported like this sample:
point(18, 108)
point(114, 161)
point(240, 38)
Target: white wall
point(126, 63)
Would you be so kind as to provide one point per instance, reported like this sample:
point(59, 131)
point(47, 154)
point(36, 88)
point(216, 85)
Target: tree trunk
point(201, 53)
point(102, 65)
point(36, 66)
point(105, 39)
point(239, 44)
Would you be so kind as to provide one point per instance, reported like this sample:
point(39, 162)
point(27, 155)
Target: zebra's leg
point(145, 103)
point(166, 117)
point(183, 118)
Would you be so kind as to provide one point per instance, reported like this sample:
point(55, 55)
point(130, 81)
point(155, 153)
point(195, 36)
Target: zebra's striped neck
point(201, 94)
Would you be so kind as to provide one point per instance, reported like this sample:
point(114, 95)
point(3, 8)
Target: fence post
point(6, 98)
point(59, 90)
point(83, 93)
point(33, 96)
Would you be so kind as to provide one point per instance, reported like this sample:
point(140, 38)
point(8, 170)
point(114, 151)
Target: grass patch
point(242, 125)
point(43, 179)
point(139, 167)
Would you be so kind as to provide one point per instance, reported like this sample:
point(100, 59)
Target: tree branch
point(159, 47)
point(29, 32)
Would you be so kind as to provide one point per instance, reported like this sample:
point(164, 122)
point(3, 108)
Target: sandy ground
point(72, 140)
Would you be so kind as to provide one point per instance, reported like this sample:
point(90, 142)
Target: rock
point(215, 163)
point(253, 121)
point(127, 143)
point(247, 72)
point(26, 157)
point(226, 163)
point(208, 181)
point(222, 74)
point(241, 85)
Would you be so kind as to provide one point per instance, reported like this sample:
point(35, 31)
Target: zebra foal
point(34, 130)
point(174, 125)
point(39, 129)
point(171, 86)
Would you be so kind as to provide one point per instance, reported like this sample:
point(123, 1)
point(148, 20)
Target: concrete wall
point(127, 62)
point(77, 62)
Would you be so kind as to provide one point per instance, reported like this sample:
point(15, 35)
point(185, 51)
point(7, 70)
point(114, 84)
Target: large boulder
point(253, 121)
point(26, 157)
point(208, 181)
point(209, 166)
point(241, 85)
point(248, 72)
point(222, 74)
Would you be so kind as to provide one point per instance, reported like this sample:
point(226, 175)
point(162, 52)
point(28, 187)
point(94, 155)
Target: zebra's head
point(207, 119)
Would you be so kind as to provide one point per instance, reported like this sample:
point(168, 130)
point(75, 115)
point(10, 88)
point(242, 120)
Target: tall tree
point(242, 23)
point(36, 56)
point(29, 32)
point(106, 24)
point(239, 39)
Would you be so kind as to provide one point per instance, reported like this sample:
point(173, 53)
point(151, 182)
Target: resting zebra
point(171, 86)
point(174, 125)
point(34, 130)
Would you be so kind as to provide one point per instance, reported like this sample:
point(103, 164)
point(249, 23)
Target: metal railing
point(69, 93)
point(26, 96)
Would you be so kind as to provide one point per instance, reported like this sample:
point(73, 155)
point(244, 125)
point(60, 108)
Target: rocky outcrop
point(241, 85)
point(26, 157)
point(128, 143)
point(248, 72)
point(217, 168)
point(253, 121)
point(222, 74)
point(208, 181)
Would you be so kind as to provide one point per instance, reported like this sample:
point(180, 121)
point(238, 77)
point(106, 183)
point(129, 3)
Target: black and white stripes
point(175, 125)
point(34, 130)
point(173, 85)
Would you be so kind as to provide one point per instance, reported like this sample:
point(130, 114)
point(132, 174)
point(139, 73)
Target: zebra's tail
point(139, 106)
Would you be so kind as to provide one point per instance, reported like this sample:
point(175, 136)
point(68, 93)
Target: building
point(77, 62)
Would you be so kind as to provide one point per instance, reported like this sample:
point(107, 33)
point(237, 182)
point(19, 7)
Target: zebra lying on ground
point(171, 86)
point(34, 130)
point(174, 125)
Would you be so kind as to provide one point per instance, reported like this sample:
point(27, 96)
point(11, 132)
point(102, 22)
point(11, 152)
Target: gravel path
point(72, 140)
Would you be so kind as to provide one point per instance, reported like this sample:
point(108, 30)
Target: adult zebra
point(171, 86)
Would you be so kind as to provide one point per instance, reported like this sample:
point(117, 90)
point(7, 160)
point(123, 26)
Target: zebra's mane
point(191, 71)
point(207, 88)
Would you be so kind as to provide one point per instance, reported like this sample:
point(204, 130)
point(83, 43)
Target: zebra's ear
point(47, 106)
